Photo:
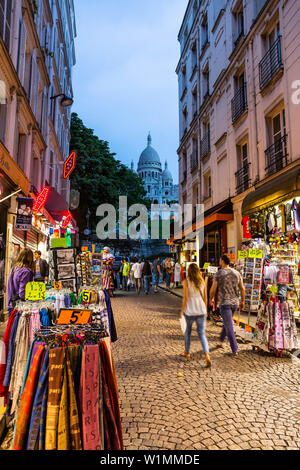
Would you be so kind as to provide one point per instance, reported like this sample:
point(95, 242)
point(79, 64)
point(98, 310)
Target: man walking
point(137, 269)
point(41, 268)
point(229, 284)
point(156, 273)
point(125, 274)
point(147, 276)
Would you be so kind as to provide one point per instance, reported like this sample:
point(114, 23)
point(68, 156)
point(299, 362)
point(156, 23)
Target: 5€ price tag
point(86, 296)
point(57, 285)
point(73, 317)
point(35, 291)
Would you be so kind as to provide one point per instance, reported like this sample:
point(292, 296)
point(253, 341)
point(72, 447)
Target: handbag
point(182, 321)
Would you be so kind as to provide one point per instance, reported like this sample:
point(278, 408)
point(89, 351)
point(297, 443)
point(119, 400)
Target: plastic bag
point(182, 321)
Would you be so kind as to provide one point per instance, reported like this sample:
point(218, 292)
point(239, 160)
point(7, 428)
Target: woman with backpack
point(20, 275)
point(194, 309)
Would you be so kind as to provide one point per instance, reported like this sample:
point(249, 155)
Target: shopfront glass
point(211, 252)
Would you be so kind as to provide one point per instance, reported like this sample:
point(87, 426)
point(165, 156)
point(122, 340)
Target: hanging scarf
point(63, 415)
point(90, 398)
point(75, 437)
point(42, 427)
point(27, 401)
point(5, 352)
point(56, 368)
point(34, 426)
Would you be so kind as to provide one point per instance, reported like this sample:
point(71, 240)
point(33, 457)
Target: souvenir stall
point(269, 261)
point(84, 268)
point(62, 267)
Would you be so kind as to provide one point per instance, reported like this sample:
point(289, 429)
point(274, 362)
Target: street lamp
point(66, 101)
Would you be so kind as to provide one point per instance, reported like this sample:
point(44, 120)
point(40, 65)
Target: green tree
point(99, 176)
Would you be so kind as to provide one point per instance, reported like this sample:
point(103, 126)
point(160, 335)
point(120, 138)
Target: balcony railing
point(205, 145)
point(270, 64)
point(277, 156)
point(242, 177)
point(194, 160)
point(239, 103)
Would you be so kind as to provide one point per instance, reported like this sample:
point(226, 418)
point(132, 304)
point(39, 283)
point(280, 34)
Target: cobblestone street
point(247, 402)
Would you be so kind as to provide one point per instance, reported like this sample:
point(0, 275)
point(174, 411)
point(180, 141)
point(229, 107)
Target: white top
point(137, 269)
point(177, 273)
point(195, 305)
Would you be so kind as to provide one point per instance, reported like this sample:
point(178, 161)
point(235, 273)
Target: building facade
point(238, 119)
point(36, 58)
point(158, 183)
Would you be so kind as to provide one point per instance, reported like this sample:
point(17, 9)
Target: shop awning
point(9, 168)
point(55, 202)
point(282, 188)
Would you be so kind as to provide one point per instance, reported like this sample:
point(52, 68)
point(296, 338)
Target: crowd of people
point(143, 274)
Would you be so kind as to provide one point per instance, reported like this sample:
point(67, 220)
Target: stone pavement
point(247, 402)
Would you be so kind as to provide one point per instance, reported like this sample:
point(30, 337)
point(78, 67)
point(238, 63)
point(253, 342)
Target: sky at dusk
point(124, 81)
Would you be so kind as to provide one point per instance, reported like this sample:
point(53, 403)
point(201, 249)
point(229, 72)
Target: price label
point(35, 291)
point(206, 266)
point(73, 317)
point(86, 296)
point(274, 289)
point(212, 269)
point(57, 285)
point(242, 254)
point(253, 253)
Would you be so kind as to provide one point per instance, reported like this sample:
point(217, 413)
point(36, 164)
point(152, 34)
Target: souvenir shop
point(269, 261)
point(58, 378)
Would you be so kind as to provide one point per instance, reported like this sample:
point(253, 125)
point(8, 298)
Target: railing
point(205, 145)
point(270, 64)
point(239, 103)
point(277, 156)
point(194, 160)
point(242, 177)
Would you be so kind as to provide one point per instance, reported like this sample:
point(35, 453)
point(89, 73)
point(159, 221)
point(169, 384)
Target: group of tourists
point(229, 287)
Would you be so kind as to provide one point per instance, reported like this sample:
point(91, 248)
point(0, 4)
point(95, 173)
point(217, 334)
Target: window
point(183, 81)
point(21, 151)
point(239, 103)
point(149, 189)
point(194, 102)
point(194, 57)
point(238, 23)
point(204, 32)
point(276, 153)
point(271, 63)
point(195, 8)
point(3, 110)
point(207, 186)
point(184, 119)
point(205, 76)
point(5, 21)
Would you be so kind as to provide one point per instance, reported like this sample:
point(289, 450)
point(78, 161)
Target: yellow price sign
point(206, 266)
point(274, 289)
point(35, 291)
point(242, 254)
point(253, 253)
point(86, 296)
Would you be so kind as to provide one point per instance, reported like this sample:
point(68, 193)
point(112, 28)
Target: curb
point(171, 292)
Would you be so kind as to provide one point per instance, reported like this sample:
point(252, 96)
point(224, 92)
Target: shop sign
point(212, 269)
point(74, 317)
point(231, 256)
point(11, 169)
point(242, 254)
point(41, 199)
point(254, 253)
point(69, 165)
point(24, 214)
point(206, 266)
point(246, 227)
point(35, 291)
point(59, 243)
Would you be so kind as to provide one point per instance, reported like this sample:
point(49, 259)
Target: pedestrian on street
point(147, 275)
point(156, 273)
point(230, 287)
point(125, 274)
point(194, 308)
point(169, 266)
point(177, 273)
point(121, 273)
point(20, 275)
point(137, 269)
point(41, 268)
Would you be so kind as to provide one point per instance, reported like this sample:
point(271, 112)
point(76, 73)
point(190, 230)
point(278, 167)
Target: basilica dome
point(149, 156)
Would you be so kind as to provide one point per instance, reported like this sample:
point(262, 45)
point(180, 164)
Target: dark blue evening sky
point(124, 81)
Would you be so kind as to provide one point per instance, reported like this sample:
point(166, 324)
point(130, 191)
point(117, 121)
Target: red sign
point(69, 165)
point(67, 220)
point(246, 226)
point(41, 200)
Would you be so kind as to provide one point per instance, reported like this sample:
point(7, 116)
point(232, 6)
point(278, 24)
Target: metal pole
point(11, 195)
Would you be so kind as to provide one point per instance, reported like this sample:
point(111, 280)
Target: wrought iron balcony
point(205, 145)
point(194, 160)
point(239, 103)
point(242, 177)
point(277, 156)
point(270, 64)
